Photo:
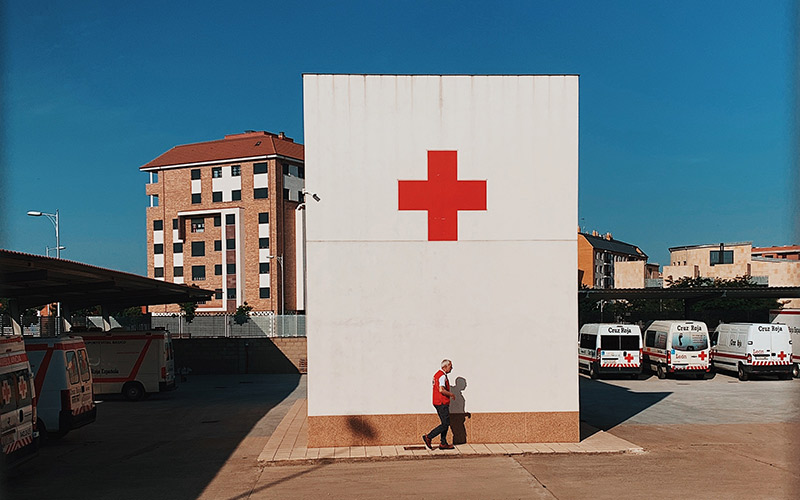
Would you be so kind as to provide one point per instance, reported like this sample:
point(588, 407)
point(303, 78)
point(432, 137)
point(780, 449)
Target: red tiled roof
point(232, 146)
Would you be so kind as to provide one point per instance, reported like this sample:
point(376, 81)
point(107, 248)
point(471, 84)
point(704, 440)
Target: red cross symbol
point(6, 392)
point(629, 357)
point(702, 355)
point(442, 195)
point(23, 388)
point(781, 355)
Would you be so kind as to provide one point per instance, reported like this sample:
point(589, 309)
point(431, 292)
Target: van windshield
point(689, 341)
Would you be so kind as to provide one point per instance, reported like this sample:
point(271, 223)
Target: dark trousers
point(444, 417)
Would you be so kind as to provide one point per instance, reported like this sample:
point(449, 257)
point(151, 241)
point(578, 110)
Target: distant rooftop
point(609, 244)
point(711, 245)
point(250, 145)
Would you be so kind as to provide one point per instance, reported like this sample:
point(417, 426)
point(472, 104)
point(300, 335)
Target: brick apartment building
point(604, 262)
point(222, 216)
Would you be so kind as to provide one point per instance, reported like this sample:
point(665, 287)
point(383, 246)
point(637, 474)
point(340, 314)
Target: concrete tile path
point(289, 444)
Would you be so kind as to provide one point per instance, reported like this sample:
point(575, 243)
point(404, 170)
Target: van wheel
point(660, 372)
point(742, 374)
point(592, 371)
point(43, 437)
point(796, 370)
point(133, 391)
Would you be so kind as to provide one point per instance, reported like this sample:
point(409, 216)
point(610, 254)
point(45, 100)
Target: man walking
point(441, 401)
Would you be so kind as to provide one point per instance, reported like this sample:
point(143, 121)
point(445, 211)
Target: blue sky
point(685, 107)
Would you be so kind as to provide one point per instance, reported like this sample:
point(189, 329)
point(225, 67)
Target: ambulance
point(133, 364)
point(752, 348)
point(679, 346)
point(18, 434)
point(790, 318)
point(606, 348)
point(63, 380)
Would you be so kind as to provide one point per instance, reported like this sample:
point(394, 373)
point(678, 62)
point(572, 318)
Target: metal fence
point(223, 325)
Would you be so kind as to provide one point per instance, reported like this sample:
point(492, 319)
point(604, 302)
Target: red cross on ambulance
point(702, 355)
point(629, 357)
point(442, 195)
point(22, 387)
point(6, 392)
point(782, 355)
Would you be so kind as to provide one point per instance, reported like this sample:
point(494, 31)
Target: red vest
point(438, 397)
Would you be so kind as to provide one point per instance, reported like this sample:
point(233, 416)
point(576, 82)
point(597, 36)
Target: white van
point(748, 348)
point(610, 348)
point(678, 346)
point(131, 363)
point(18, 434)
point(790, 318)
point(64, 399)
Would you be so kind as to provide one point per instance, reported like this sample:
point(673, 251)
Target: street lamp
point(302, 207)
point(48, 248)
point(280, 262)
point(54, 219)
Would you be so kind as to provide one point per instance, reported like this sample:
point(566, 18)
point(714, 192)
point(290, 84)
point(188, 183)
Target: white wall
point(384, 304)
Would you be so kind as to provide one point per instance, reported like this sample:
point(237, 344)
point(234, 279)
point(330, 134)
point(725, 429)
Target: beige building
point(223, 216)
point(731, 260)
point(604, 262)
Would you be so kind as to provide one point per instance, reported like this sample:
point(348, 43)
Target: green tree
point(242, 314)
point(188, 309)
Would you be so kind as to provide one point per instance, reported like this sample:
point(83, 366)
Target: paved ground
point(718, 438)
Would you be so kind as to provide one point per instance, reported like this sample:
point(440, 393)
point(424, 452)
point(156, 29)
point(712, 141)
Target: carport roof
point(35, 280)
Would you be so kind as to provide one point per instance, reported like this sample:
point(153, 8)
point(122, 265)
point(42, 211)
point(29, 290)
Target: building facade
point(601, 257)
point(223, 215)
point(766, 266)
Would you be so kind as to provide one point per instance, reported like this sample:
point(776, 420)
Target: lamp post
point(280, 262)
point(55, 220)
point(47, 249)
point(302, 207)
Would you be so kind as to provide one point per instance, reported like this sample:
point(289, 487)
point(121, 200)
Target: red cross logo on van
point(782, 355)
point(6, 392)
point(22, 386)
point(702, 355)
point(629, 357)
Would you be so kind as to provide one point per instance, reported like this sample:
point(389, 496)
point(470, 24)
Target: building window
point(301, 197)
point(217, 269)
point(263, 268)
point(218, 293)
point(285, 168)
point(154, 200)
point(263, 243)
point(195, 174)
point(177, 271)
point(231, 269)
point(286, 194)
point(216, 196)
point(216, 172)
point(263, 218)
point(217, 221)
point(723, 257)
point(158, 225)
point(259, 168)
point(158, 248)
point(198, 248)
point(198, 225)
point(196, 198)
point(177, 248)
point(263, 293)
point(198, 273)
point(301, 172)
point(259, 193)
point(153, 177)
point(231, 293)
point(236, 194)
point(158, 272)
point(217, 245)
point(230, 244)
point(236, 170)
point(230, 219)
point(174, 223)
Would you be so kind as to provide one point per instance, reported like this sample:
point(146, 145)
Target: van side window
point(83, 365)
point(661, 340)
point(588, 341)
point(650, 338)
point(72, 368)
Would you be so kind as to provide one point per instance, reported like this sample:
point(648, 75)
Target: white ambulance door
point(86, 397)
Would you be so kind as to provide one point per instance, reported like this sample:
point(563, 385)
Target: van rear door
point(761, 347)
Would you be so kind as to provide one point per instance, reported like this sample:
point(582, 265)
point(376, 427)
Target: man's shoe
point(446, 446)
point(427, 441)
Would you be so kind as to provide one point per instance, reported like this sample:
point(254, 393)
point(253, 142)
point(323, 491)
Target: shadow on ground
point(170, 445)
point(604, 405)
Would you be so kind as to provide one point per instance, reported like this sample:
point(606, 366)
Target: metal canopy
point(756, 292)
point(35, 280)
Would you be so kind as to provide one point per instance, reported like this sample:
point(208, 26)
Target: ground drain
point(410, 448)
